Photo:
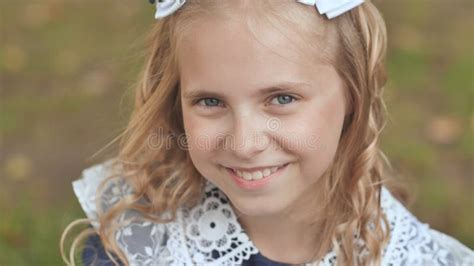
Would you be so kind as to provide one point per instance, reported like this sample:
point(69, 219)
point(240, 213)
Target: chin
point(262, 208)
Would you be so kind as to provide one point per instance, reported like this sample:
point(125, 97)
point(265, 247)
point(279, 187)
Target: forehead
point(216, 51)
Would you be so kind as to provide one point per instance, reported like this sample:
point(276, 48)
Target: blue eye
point(284, 99)
point(281, 99)
point(208, 102)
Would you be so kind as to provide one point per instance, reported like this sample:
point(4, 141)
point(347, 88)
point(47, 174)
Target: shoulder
point(458, 252)
point(95, 254)
point(96, 193)
point(138, 238)
point(413, 242)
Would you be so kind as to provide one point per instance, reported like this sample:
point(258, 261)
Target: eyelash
point(278, 95)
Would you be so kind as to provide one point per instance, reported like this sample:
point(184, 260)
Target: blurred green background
point(67, 69)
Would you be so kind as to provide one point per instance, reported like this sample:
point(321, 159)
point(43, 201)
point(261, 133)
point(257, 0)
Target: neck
point(292, 236)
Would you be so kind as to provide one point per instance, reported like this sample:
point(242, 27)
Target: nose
point(248, 136)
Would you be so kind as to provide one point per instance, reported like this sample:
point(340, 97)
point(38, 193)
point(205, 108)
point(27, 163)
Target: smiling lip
point(254, 168)
point(255, 184)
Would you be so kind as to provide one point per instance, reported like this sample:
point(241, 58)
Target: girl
point(254, 141)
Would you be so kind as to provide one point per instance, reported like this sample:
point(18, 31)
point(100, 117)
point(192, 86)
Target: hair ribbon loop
point(330, 8)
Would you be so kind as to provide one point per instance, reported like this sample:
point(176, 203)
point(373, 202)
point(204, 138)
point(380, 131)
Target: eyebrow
point(281, 87)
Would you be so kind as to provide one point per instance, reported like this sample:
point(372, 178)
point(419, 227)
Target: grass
point(30, 235)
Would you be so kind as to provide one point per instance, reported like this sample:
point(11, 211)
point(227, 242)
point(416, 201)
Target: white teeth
point(266, 172)
point(247, 176)
point(257, 175)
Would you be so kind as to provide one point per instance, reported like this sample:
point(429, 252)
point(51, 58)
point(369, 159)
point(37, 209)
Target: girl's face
point(247, 106)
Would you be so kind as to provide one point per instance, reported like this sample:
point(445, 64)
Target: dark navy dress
point(94, 254)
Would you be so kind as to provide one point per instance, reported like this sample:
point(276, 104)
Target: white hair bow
point(330, 8)
point(167, 7)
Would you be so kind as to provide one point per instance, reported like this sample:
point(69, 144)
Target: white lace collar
point(210, 234)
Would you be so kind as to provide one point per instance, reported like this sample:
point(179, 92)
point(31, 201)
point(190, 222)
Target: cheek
point(202, 136)
point(198, 148)
point(314, 136)
point(192, 130)
point(202, 140)
point(310, 139)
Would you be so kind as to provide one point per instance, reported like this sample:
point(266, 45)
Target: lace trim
point(210, 234)
point(414, 243)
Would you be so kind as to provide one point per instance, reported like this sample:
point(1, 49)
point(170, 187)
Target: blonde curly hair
point(167, 179)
